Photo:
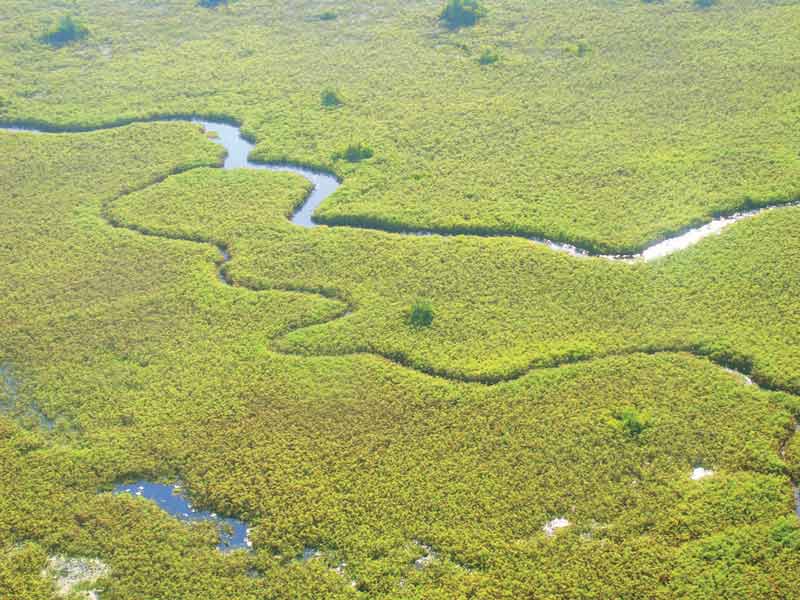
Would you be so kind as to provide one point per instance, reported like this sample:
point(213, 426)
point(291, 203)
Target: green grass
point(360, 456)
point(686, 113)
point(300, 398)
point(214, 206)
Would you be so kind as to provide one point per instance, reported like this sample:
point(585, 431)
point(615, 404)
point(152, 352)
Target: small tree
point(355, 152)
point(421, 313)
point(67, 30)
point(330, 98)
point(630, 421)
point(461, 13)
point(488, 57)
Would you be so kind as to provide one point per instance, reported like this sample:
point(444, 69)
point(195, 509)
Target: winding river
point(324, 184)
point(238, 152)
point(239, 149)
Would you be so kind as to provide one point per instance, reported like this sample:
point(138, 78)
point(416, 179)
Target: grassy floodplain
point(302, 400)
point(671, 114)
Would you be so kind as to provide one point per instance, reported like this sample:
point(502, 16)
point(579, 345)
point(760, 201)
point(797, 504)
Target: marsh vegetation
point(414, 414)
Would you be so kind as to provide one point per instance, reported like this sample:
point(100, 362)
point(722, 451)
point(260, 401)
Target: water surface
point(239, 149)
point(233, 532)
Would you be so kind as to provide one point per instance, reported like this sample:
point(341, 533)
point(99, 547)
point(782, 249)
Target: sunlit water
point(233, 532)
point(239, 149)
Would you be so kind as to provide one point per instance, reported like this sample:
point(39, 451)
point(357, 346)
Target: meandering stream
point(238, 152)
point(324, 184)
point(239, 149)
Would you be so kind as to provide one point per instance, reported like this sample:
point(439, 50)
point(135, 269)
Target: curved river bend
point(239, 149)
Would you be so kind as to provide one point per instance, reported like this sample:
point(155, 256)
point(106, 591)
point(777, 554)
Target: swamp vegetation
point(401, 416)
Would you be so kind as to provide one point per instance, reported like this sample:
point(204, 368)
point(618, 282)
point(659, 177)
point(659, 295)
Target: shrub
point(579, 49)
point(67, 30)
point(330, 98)
point(328, 15)
point(704, 3)
point(462, 13)
point(421, 313)
point(355, 153)
point(630, 421)
point(785, 534)
point(212, 3)
point(488, 57)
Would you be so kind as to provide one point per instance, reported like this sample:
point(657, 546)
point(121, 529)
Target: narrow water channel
point(232, 532)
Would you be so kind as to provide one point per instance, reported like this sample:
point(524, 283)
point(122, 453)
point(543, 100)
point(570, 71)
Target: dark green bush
point(67, 30)
point(212, 3)
point(328, 15)
point(630, 421)
point(421, 313)
point(330, 98)
point(461, 13)
point(785, 534)
point(704, 3)
point(488, 57)
point(355, 153)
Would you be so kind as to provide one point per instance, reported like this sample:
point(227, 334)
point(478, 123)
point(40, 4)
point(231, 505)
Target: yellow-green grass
point(502, 306)
point(150, 366)
point(673, 113)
